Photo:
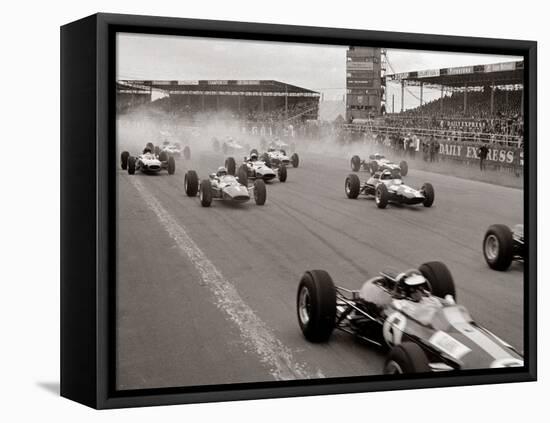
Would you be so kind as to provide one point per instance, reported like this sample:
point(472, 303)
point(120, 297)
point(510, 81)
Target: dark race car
point(413, 315)
point(377, 162)
point(387, 186)
point(223, 186)
point(502, 245)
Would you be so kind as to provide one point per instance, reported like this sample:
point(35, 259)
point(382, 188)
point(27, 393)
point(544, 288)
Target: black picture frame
point(88, 214)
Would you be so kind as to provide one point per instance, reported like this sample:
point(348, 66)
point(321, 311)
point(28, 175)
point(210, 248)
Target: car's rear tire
point(404, 168)
point(131, 165)
point(316, 305)
point(295, 160)
point(265, 158)
point(191, 183)
point(186, 152)
point(498, 247)
point(381, 196)
point(230, 165)
point(205, 193)
point(171, 165)
point(260, 192)
point(156, 150)
point(124, 160)
point(405, 358)
point(163, 156)
point(242, 174)
point(440, 279)
point(282, 173)
point(373, 166)
point(352, 186)
point(429, 194)
point(355, 163)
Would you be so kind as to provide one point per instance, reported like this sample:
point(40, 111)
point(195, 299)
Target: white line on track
point(253, 330)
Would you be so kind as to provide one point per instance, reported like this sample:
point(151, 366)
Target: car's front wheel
point(191, 183)
point(205, 193)
point(381, 196)
point(352, 186)
point(498, 247)
point(282, 173)
point(429, 194)
point(131, 165)
point(260, 192)
point(316, 305)
point(124, 160)
point(406, 358)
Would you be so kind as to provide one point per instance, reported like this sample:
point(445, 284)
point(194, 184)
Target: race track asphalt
point(207, 295)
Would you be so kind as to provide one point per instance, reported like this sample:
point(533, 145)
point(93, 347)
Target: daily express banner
point(468, 151)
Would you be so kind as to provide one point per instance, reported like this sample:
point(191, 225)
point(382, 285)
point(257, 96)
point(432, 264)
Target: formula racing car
point(502, 245)
point(377, 162)
point(253, 168)
point(276, 158)
point(413, 315)
point(387, 186)
point(174, 149)
point(148, 162)
point(223, 186)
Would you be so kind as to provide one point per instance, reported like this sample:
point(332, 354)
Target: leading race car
point(502, 245)
point(414, 314)
point(253, 168)
point(230, 146)
point(148, 162)
point(387, 186)
point(174, 149)
point(377, 162)
point(223, 186)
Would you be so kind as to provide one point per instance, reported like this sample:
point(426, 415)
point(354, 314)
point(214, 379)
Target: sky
point(317, 67)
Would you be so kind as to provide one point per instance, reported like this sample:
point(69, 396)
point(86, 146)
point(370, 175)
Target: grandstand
point(251, 100)
point(480, 91)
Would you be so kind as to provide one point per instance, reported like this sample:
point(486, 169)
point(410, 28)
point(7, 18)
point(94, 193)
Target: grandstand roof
point(222, 87)
point(506, 73)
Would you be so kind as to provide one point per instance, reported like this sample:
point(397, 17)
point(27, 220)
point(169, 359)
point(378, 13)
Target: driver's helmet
point(386, 174)
point(414, 285)
point(254, 157)
point(222, 171)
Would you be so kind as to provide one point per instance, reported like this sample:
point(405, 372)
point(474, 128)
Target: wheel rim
point(201, 195)
point(348, 186)
point(185, 183)
point(393, 368)
point(304, 306)
point(491, 247)
point(377, 196)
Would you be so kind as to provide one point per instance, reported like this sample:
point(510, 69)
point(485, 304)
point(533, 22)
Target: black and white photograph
point(275, 212)
point(291, 211)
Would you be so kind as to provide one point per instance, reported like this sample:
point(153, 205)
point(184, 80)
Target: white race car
point(377, 162)
point(222, 186)
point(253, 168)
point(147, 162)
point(276, 158)
point(174, 149)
